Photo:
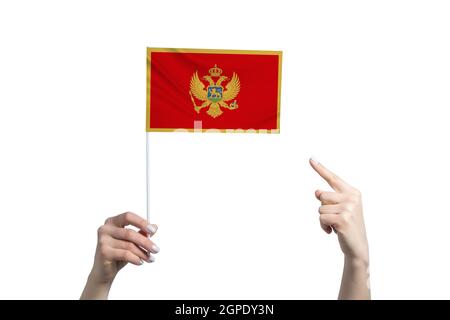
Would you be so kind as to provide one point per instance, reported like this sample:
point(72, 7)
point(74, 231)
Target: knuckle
point(356, 193)
point(103, 252)
point(334, 178)
point(129, 256)
point(102, 240)
point(101, 231)
point(108, 220)
point(128, 216)
point(128, 233)
point(348, 207)
point(123, 255)
point(353, 198)
point(130, 246)
point(345, 219)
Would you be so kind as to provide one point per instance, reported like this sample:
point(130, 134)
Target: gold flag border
point(217, 51)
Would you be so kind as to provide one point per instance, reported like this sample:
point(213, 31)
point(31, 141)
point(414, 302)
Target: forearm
point(355, 283)
point(95, 290)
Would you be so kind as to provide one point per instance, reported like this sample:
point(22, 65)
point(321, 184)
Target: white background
point(365, 89)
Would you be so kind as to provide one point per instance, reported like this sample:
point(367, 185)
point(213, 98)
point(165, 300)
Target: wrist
point(98, 278)
point(96, 289)
point(357, 262)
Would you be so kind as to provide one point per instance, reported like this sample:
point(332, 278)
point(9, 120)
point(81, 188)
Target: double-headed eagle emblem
point(214, 96)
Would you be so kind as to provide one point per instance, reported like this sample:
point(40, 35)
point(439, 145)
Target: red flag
point(227, 90)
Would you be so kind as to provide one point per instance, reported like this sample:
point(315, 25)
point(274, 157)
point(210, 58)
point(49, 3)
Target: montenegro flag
point(213, 90)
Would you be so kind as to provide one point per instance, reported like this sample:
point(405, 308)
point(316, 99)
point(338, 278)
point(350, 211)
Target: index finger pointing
point(130, 218)
point(332, 179)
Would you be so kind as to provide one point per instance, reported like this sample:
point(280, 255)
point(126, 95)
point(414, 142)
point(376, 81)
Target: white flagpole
point(147, 166)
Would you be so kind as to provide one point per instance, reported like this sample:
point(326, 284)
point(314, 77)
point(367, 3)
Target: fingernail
point(313, 159)
point(151, 228)
point(155, 248)
point(151, 259)
point(141, 261)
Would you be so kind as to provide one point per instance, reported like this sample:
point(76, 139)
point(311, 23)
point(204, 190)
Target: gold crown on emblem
point(215, 72)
